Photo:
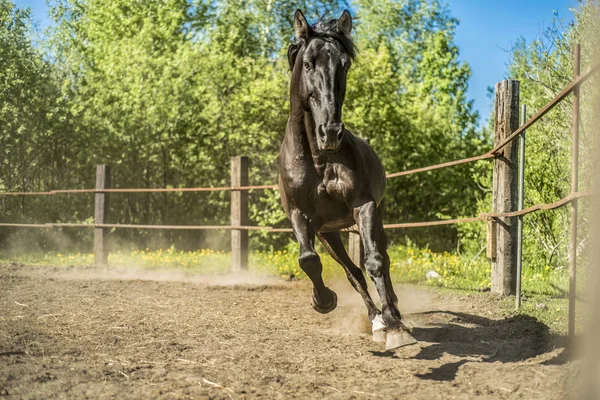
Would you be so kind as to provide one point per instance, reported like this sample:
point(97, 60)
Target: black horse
point(330, 179)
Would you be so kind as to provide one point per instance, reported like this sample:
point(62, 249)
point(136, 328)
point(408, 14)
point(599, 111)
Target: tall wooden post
point(101, 248)
point(239, 213)
point(505, 186)
point(356, 249)
point(574, 189)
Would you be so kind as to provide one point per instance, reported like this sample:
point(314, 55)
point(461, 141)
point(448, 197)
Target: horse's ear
point(301, 26)
point(345, 23)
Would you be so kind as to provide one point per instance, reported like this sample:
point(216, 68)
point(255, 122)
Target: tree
point(34, 148)
point(407, 93)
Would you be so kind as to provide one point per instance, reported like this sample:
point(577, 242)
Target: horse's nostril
point(321, 132)
point(340, 132)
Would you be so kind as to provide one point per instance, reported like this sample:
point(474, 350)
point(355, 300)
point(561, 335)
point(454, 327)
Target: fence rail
point(482, 217)
point(141, 226)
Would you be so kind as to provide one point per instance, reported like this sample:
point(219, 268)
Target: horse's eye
point(307, 65)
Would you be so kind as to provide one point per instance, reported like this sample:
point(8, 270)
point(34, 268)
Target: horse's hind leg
point(324, 299)
point(377, 264)
point(333, 243)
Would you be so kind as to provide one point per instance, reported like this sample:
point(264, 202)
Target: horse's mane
point(327, 30)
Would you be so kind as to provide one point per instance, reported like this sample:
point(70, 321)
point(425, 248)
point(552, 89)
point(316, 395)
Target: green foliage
point(412, 264)
point(34, 148)
point(167, 91)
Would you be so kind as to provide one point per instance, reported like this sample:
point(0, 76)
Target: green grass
point(408, 265)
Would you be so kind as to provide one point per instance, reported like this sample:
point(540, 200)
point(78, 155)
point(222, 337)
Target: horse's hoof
point(379, 329)
point(398, 338)
point(325, 308)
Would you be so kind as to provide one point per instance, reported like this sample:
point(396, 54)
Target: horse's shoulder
point(370, 164)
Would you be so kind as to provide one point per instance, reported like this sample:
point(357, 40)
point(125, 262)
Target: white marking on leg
point(378, 324)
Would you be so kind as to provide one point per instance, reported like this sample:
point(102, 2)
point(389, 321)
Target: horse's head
point(320, 59)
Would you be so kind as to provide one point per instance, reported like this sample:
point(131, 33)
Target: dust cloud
point(351, 315)
point(25, 241)
point(137, 273)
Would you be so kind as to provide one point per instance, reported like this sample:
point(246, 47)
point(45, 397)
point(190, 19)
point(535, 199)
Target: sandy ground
point(81, 333)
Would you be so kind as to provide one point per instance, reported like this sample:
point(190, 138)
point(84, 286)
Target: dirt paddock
point(81, 333)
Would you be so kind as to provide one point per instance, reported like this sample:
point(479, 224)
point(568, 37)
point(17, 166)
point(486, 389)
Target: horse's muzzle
point(330, 136)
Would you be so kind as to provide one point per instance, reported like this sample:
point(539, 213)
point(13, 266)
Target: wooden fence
point(504, 233)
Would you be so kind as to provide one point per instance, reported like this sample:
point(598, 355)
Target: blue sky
point(487, 30)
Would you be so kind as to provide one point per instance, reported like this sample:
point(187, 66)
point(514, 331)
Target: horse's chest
point(324, 189)
point(333, 185)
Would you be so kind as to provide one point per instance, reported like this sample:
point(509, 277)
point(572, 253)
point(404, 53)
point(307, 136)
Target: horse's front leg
point(377, 264)
point(333, 243)
point(324, 300)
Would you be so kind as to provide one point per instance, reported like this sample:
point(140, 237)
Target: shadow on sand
point(479, 339)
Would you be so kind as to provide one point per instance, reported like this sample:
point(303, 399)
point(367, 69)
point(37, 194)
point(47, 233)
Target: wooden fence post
point(239, 213)
point(356, 250)
point(101, 248)
point(505, 188)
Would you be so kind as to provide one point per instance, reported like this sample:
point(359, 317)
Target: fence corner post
point(356, 250)
point(101, 247)
point(505, 188)
point(239, 214)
